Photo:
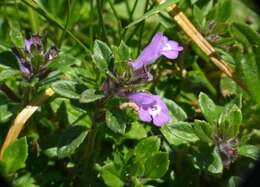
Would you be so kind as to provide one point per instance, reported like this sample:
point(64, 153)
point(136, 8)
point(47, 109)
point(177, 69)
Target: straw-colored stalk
point(22, 118)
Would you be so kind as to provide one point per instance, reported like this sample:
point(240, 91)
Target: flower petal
point(52, 53)
point(174, 45)
point(36, 41)
point(171, 49)
point(170, 54)
point(161, 119)
point(141, 98)
point(25, 66)
point(151, 52)
point(144, 115)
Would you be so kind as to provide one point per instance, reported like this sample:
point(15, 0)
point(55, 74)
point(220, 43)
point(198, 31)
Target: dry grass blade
point(22, 118)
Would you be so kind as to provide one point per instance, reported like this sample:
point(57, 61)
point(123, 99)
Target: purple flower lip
point(160, 45)
point(151, 108)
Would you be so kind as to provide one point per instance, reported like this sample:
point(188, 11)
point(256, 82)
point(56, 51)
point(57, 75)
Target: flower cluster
point(33, 59)
point(151, 108)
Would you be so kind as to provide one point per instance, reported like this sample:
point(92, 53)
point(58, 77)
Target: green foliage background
point(78, 139)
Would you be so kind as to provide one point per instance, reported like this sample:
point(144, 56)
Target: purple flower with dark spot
point(33, 60)
point(151, 108)
point(160, 45)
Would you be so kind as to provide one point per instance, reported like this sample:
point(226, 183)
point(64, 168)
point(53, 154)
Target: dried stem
point(202, 43)
point(22, 118)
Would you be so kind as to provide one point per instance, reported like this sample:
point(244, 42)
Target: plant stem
point(69, 9)
point(119, 25)
point(142, 28)
point(101, 21)
point(33, 19)
point(132, 11)
point(9, 93)
point(210, 87)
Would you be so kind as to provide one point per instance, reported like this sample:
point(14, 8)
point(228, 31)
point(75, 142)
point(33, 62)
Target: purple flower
point(160, 45)
point(151, 108)
point(24, 65)
point(34, 41)
point(33, 60)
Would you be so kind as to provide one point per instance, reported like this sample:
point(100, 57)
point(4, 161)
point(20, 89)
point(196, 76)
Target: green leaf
point(250, 151)
point(113, 123)
point(250, 75)
point(15, 156)
point(16, 35)
point(25, 181)
point(207, 159)
point(199, 17)
point(203, 130)
point(69, 113)
point(237, 101)
point(63, 62)
point(223, 10)
point(238, 35)
point(5, 113)
point(111, 179)
point(207, 8)
point(157, 165)
point(137, 131)
point(209, 109)
point(8, 74)
point(176, 112)
point(89, 96)
point(65, 88)
point(242, 10)
point(248, 65)
point(71, 140)
point(124, 52)
point(5, 58)
point(137, 168)
point(194, 1)
point(102, 55)
point(252, 37)
point(179, 133)
point(216, 167)
point(121, 54)
point(155, 10)
point(230, 121)
point(226, 56)
point(146, 147)
point(234, 181)
point(228, 87)
point(51, 152)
